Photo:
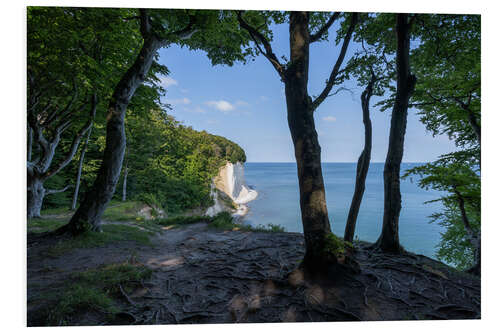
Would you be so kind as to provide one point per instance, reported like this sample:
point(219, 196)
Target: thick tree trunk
point(88, 215)
point(79, 172)
point(362, 166)
point(305, 140)
point(389, 238)
point(36, 194)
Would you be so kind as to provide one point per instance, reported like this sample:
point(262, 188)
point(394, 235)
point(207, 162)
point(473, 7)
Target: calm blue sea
point(278, 202)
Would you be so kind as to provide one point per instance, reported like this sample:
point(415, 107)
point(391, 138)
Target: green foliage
point(454, 246)
point(335, 246)
point(224, 221)
point(268, 228)
point(454, 175)
point(182, 220)
point(447, 63)
point(171, 165)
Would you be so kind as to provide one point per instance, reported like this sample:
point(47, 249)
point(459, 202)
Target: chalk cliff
point(231, 182)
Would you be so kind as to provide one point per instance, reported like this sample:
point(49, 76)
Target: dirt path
point(205, 276)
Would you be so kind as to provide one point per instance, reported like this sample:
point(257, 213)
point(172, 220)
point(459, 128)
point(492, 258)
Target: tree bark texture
point(30, 143)
point(389, 238)
point(124, 188)
point(305, 140)
point(79, 172)
point(363, 164)
point(36, 194)
point(88, 215)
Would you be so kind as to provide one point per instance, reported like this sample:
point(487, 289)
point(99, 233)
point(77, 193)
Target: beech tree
point(461, 183)
point(47, 124)
point(363, 162)
point(80, 167)
point(70, 68)
point(448, 99)
point(158, 28)
point(373, 68)
point(389, 238)
point(448, 65)
point(300, 110)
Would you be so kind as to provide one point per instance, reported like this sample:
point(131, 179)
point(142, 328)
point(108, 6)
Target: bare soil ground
point(201, 275)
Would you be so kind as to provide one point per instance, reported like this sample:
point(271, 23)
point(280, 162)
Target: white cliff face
point(231, 181)
point(217, 207)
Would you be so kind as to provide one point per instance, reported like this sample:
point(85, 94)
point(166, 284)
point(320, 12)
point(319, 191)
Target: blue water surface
point(278, 202)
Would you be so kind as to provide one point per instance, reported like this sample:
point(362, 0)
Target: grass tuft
point(123, 211)
point(39, 225)
point(182, 220)
point(111, 233)
point(95, 290)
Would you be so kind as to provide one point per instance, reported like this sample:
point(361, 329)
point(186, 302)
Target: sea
point(278, 202)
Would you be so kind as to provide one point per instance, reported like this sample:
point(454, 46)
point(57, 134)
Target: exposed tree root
point(206, 276)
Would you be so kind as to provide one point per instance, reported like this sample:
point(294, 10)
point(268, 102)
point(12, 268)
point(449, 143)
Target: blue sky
point(246, 104)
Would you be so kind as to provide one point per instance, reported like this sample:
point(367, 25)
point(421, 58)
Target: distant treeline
point(167, 164)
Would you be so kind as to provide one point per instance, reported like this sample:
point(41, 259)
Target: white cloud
point(329, 119)
point(221, 105)
point(195, 110)
point(180, 101)
point(167, 81)
point(264, 98)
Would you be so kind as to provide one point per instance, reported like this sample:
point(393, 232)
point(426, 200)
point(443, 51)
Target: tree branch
point(472, 117)
point(338, 63)
point(187, 32)
point(145, 23)
point(76, 141)
point(57, 191)
point(64, 112)
point(258, 37)
point(315, 37)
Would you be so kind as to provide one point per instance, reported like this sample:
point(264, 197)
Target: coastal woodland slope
point(97, 124)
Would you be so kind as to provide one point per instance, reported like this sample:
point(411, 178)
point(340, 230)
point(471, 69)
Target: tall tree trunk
point(30, 143)
point(88, 215)
point(79, 172)
point(363, 164)
point(389, 238)
point(124, 188)
point(305, 140)
point(36, 194)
